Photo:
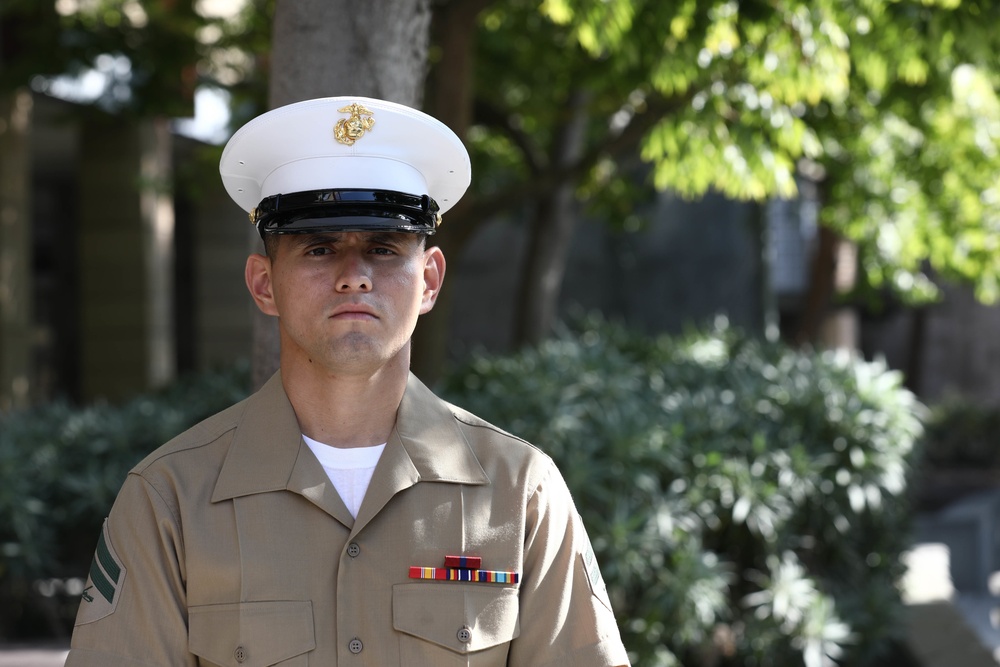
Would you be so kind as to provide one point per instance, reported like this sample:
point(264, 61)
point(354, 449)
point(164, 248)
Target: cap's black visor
point(347, 210)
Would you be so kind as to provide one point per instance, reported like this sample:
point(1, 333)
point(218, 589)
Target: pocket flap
point(260, 633)
point(439, 613)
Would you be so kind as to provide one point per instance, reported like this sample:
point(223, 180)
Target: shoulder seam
point(472, 421)
point(206, 438)
point(480, 423)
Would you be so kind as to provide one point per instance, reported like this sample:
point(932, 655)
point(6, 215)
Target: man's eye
point(382, 251)
point(318, 250)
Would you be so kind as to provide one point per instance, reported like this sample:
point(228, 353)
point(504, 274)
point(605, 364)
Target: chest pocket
point(452, 623)
point(252, 634)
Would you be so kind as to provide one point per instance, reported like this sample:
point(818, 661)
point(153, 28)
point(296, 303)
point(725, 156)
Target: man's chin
point(360, 353)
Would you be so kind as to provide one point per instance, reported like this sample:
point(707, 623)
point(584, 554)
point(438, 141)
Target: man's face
point(348, 301)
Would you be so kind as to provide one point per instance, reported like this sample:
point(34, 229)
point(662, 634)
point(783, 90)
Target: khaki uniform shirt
point(230, 546)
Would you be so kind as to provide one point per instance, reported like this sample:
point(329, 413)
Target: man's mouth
point(354, 312)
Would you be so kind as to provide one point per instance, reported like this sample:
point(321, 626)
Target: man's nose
point(354, 275)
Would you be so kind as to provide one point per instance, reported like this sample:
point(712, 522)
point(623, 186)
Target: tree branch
point(615, 145)
point(491, 116)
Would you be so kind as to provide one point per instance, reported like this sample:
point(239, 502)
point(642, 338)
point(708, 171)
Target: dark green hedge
point(60, 470)
point(748, 502)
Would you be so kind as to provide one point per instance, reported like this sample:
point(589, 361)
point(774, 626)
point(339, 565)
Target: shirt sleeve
point(566, 616)
point(133, 610)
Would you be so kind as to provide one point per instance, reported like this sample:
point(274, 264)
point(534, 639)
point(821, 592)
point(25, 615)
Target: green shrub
point(747, 502)
point(61, 468)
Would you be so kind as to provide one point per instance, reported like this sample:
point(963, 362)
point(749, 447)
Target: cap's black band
point(345, 210)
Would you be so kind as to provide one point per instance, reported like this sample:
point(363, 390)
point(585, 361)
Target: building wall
point(54, 229)
point(113, 284)
point(223, 307)
point(947, 349)
point(113, 310)
point(693, 262)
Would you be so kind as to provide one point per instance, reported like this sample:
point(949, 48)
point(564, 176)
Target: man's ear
point(434, 266)
point(258, 278)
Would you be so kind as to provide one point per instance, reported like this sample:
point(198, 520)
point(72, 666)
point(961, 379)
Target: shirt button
point(355, 646)
point(353, 550)
point(465, 635)
point(240, 654)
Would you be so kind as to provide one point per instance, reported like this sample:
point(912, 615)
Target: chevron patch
point(104, 582)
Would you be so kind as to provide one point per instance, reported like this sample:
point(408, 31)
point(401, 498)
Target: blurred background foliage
point(890, 106)
point(60, 469)
point(748, 502)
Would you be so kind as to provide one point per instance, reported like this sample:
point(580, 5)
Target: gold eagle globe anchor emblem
point(349, 130)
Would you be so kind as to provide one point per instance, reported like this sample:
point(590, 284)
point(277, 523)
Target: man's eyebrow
point(303, 240)
point(394, 239)
point(384, 238)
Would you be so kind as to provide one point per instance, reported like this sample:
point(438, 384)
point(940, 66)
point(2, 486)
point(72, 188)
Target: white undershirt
point(350, 469)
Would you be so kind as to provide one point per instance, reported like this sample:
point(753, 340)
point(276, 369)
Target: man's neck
point(346, 410)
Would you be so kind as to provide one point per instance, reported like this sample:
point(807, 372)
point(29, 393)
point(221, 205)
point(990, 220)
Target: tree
point(891, 106)
point(450, 98)
point(158, 39)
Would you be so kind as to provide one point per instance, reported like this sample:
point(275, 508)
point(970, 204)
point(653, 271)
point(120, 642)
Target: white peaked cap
point(305, 147)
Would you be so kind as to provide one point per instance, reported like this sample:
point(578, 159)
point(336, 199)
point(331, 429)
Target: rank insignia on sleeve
point(104, 583)
point(592, 570)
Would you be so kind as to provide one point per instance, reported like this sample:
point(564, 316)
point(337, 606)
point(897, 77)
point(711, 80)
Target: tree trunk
point(376, 48)
point(820, 290)
point(914, 369)
point(450, 100)
point(550, 236)
point(322, 48)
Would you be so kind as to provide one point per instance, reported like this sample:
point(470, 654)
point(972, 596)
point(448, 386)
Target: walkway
point(32, 656)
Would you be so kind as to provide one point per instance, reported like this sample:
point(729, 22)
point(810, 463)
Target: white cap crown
point(345, 143)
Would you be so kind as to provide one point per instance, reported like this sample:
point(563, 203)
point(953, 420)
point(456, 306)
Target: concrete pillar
point(157, 208)
point(841, 328)
point(16, 293)
point(126, 264)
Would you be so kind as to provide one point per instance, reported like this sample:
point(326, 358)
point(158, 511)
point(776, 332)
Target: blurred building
point(122, 258)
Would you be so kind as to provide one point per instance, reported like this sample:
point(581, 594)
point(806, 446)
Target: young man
point(344, 515)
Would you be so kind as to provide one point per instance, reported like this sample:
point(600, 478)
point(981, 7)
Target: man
point(344, 515)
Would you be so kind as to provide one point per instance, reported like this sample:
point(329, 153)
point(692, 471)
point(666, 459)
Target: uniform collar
point(430, 435)
point(267, 447)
